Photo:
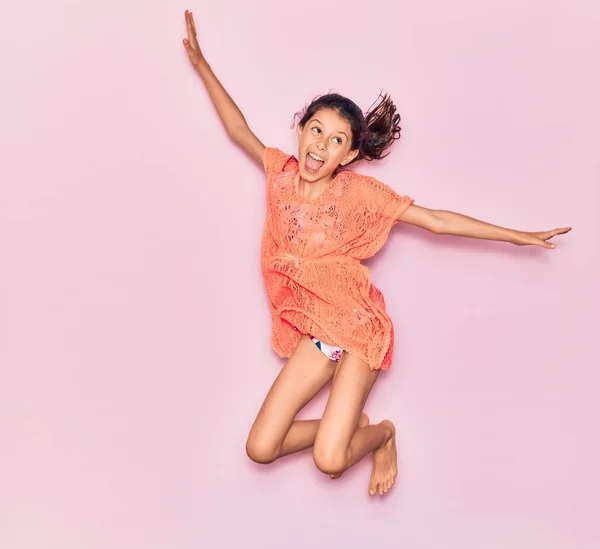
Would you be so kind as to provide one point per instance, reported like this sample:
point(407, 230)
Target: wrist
point(200, 64)
point(517, 237)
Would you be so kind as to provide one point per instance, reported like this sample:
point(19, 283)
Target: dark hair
point(372, 133)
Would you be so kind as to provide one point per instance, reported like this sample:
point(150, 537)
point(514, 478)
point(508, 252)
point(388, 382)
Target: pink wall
point(134, 327)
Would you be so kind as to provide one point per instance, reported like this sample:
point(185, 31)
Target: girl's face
point(323, 144)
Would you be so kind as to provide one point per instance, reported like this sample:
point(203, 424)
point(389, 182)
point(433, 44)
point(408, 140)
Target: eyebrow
point(339, 131)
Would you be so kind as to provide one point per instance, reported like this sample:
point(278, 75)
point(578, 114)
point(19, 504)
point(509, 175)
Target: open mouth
point(313, 162)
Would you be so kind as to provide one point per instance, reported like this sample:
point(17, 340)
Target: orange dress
point(311, 252)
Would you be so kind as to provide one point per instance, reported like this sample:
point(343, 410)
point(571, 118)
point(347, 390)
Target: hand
point(191, 42)
point(538, 239)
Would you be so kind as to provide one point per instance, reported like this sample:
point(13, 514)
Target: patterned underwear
point(330, 351)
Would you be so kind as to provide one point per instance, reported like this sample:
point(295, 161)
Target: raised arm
point(452, 223)
point(230, 114)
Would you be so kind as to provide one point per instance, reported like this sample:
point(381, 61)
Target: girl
point(328, 319)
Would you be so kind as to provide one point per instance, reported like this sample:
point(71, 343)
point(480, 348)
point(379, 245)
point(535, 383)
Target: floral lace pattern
point(311, 253)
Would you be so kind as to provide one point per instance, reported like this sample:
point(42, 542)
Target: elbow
point(237, 133)
point(437, 223)
point(234, 134)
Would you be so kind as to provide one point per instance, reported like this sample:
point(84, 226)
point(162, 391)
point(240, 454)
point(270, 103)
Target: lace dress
point(311, 252)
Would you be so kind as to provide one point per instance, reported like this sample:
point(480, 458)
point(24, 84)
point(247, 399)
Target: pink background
point(133, 322)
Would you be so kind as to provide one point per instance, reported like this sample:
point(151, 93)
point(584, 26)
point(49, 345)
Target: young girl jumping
point(329, 320)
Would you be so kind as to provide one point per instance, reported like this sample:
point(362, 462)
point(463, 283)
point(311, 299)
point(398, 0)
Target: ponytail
point(382, 123)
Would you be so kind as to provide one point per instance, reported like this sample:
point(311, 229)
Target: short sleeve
point(380, 208)
point(274, 161)
point(383, 204)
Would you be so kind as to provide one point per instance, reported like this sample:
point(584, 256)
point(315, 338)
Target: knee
point(261, 450)
point(330, 461)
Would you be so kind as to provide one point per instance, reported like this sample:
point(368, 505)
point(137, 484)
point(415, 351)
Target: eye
point(339, 140)
point(315, 128)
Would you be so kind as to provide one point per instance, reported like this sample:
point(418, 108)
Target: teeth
point(312, 155)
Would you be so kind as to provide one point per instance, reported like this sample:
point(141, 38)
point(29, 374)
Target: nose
point(321, 145)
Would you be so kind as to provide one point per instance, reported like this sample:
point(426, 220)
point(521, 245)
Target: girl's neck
point(311, 190)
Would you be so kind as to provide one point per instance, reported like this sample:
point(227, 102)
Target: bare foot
point(385, 463)
point(363, 421)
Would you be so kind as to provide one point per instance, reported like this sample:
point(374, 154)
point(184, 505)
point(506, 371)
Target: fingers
point(188, 22)
point(561, 231)
point(191, 26)
point(555, 232)
point(542, 238)
point(191, 42)
point(191, 29)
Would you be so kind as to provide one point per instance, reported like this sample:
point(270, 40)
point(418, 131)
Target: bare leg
point(363, 421)
point(339, 444)
point(302, 435)
point(275, 433)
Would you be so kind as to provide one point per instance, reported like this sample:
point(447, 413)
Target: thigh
point(306, 372)
point(351, 386)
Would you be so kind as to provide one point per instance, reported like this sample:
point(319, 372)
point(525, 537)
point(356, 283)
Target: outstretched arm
point(445, 222)
point(230, 114)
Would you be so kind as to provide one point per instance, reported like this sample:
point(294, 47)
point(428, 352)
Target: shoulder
point(378, 198)
point(275, 160)
point(368, 187)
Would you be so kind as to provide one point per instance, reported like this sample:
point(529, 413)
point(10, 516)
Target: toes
point(381, 487)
